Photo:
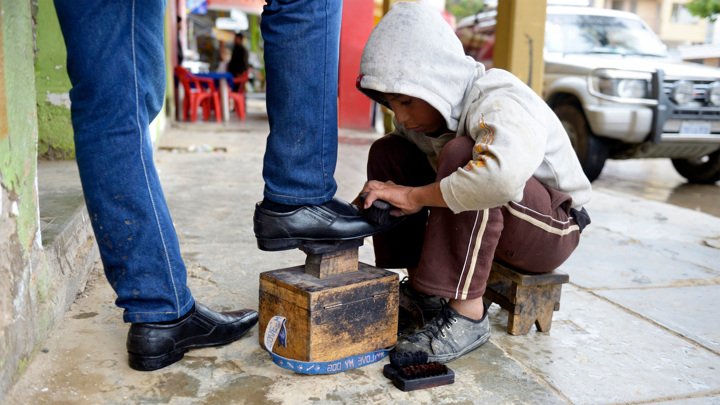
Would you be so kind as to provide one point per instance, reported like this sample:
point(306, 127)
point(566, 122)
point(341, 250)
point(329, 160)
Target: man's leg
point(302, 45)
point(116, 65)
point(301, 49)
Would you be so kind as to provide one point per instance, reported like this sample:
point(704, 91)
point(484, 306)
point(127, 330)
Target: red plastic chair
point(239, 96)
point(199, 92)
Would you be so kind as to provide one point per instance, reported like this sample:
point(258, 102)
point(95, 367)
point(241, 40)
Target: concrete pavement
point(638, 322)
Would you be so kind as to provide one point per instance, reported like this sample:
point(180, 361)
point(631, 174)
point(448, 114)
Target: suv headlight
point(632, 88)
point(625, 88)
point(621, 86)
point(713, 94)
point(683, 92)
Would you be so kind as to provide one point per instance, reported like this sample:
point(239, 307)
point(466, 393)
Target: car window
point(585, 34)
point(478, 38)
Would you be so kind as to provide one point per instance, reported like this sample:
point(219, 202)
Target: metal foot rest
point(529, 298)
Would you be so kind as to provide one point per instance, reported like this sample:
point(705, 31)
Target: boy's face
point(415, 114)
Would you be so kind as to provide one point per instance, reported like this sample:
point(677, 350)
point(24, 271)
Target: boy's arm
point(408, 200)
point(510, 145)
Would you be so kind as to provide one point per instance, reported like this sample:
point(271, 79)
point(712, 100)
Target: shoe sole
point(152, 363)
point(450, 357)
point(275, 245)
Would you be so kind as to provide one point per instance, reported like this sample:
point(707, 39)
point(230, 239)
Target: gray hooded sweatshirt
point(413, 51)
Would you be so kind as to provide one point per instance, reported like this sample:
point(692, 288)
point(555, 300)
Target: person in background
point(225, 55)
point(238, 63)
point(180, 56)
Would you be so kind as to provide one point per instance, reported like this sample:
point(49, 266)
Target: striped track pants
point(450, 255)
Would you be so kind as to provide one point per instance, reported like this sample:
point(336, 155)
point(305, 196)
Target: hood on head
point(414, 51)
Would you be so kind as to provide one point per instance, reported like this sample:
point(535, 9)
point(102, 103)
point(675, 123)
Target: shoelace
point(446, 317)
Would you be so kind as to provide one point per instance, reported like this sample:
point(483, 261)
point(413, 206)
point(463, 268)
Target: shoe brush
point(378, 212)
point(405, 359)
point(411, 371)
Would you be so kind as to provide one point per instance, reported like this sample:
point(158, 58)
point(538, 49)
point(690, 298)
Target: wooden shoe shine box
point(330, 314)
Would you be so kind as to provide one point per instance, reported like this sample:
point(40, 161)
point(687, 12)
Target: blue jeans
point(117, 68)
point(302, 43)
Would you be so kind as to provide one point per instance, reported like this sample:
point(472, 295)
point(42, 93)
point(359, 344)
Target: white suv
point(617, 91)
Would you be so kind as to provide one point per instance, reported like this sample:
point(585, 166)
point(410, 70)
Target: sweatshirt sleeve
point(509, 147)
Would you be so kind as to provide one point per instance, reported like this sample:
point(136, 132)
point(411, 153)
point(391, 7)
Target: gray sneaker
point(447, 337)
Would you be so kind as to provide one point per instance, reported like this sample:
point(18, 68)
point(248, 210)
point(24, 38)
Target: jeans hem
point(293, 200)
point(162, 316)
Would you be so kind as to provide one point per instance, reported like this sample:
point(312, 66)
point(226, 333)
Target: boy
point(480, 165)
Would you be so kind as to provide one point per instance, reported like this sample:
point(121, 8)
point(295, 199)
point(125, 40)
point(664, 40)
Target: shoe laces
point(446, 317)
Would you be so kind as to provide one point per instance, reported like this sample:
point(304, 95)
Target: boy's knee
point(455, 154)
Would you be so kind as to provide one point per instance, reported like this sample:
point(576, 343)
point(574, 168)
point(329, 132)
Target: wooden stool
point(528, 297)
point(334, 306)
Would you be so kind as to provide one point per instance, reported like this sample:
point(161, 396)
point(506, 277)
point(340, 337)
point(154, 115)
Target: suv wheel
point(704, 170)
point(591, 150)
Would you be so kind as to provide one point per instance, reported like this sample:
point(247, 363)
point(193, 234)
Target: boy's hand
point(408, 200)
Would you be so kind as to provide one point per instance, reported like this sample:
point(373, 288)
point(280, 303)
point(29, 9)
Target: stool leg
point(550, 294)
point(520, 324)
point(538, 305)
point(544, 322)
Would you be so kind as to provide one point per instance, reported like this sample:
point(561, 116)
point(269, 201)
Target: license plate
point(695, 127)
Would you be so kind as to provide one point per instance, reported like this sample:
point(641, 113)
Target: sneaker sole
point(446, 358)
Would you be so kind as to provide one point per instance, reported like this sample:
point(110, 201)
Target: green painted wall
point(55, 133)
point(53, 101)
point(18, 150)
point(19, 217)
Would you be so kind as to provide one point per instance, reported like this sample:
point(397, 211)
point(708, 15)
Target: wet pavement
point(638, 322)
point(656, 179)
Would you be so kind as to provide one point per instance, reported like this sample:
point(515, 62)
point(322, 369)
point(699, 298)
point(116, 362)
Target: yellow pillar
point(519, 40)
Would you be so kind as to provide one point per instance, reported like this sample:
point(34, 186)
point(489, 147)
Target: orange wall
point(354, 109)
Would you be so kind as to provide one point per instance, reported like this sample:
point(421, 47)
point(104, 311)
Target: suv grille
point(696, 107)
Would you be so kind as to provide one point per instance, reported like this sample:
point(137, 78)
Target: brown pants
point(450, 255)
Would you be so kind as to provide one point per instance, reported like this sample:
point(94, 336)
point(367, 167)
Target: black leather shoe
point(328, 222)
point(152, 346)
